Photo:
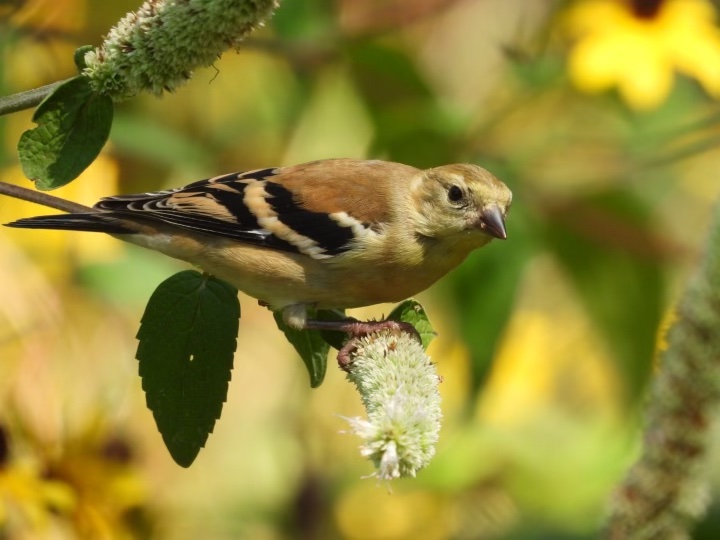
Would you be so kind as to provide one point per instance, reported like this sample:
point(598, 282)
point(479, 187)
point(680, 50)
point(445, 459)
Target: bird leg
point(356, 329)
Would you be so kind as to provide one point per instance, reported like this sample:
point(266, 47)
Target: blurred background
point(601, 117)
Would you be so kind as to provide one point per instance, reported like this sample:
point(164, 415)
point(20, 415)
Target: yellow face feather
point(454, 200)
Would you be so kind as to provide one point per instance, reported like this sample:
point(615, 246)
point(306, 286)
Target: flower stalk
point(157, 47)
point(398, 385)
point(662, 496)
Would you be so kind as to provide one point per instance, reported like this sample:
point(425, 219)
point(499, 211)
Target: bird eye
point(455, 194)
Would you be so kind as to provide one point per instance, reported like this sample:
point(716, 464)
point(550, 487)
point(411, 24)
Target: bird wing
point(214, 206)
point(319, 209)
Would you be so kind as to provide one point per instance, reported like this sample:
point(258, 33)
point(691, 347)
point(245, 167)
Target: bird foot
point(357, 329)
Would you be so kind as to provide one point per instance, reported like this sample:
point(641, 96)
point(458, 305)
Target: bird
point(327, 234)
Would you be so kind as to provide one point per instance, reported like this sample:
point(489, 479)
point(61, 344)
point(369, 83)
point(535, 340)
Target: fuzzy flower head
point(399, 388)
point(638, 45)
point(158, 47)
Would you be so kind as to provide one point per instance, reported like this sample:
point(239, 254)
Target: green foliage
point(313, 345)
point(160, 144)
point(79, 56)
point(410, 311)
point(608, 202)
point(304, 20)
point(618, 277)
point(187, 342)
point(409, 126)
point(73, 125)
point(310, 345)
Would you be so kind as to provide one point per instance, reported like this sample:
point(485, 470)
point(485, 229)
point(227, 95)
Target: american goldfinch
point(330, 234)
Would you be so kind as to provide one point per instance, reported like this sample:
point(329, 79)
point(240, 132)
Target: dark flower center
point(646, 9)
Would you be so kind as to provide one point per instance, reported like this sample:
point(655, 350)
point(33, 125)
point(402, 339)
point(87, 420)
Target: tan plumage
point(336, 233)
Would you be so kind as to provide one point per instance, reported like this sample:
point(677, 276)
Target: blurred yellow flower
point(88, 486)
point(637, 45)
point(28, 501)
point(87, 482)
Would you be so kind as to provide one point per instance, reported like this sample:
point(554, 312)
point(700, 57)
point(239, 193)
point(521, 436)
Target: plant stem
point(27, 99)
point(44, 199)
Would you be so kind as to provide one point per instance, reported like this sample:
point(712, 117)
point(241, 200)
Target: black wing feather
point(96, 222)
point(244, 225)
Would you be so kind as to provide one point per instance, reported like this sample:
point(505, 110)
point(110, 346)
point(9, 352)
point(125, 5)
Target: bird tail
point(79, 218)
point(93, 222)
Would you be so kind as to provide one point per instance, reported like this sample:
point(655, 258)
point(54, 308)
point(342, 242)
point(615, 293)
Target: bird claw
point(357, 329)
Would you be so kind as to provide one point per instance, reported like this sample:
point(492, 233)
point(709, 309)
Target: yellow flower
point(89, 483)
point(28, 501)
point(637, 45)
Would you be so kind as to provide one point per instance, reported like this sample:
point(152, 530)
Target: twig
point(44, 199)
point(27, 99)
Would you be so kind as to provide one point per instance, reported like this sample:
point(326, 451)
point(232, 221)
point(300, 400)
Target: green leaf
point(79, 56)
point(410, 311)
point(187, 340)
point(311, 347)
point(73, 124)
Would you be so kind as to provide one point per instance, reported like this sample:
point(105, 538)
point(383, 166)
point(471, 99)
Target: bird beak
point(492, 222)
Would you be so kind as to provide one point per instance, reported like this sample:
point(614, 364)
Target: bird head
point(461, 200)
